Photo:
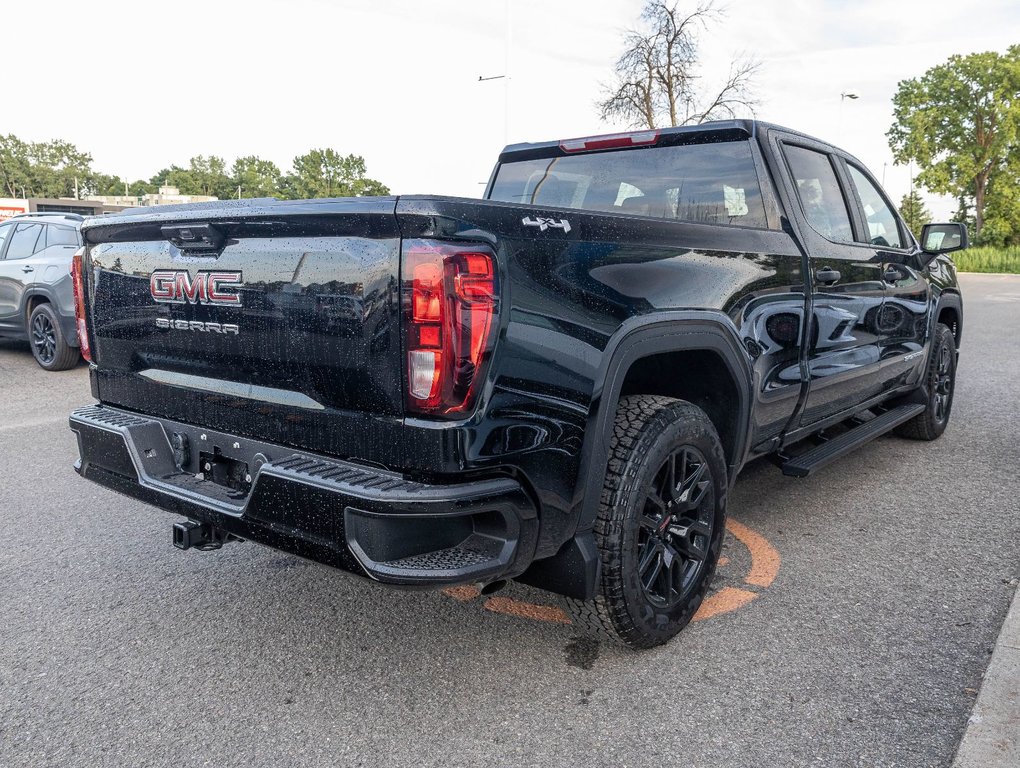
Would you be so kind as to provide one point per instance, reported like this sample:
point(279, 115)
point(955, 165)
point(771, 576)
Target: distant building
point(166, 196)
point(96, 205)
point(13, 206)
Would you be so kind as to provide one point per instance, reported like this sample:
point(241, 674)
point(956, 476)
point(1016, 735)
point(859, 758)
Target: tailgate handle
point(194, 237)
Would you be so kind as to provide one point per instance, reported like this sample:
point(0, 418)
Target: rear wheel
point(940, 381)
point(49, 347)
point(660, 522)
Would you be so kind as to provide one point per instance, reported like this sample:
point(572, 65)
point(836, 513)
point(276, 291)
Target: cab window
point(883, 230)
point(819, 193)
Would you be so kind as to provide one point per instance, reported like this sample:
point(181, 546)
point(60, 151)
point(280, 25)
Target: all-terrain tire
point(939, 382)
point(650, 433)
point(49, 347)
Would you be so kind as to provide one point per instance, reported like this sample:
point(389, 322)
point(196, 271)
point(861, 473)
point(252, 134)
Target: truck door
point(847, 288)
point(903, 321)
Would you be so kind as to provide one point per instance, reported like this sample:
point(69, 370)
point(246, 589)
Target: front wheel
point(940, 382)
point(660, 522)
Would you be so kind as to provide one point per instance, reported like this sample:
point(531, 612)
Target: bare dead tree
point(657, 75)
point(735, 95)
point(636, 97)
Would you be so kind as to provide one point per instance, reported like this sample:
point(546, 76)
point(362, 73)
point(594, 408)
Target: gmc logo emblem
point(174, 286)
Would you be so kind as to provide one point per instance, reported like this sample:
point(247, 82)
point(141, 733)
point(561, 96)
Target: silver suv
point(36, 295)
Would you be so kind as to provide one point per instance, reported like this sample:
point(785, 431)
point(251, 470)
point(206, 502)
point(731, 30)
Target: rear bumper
point(364, 520)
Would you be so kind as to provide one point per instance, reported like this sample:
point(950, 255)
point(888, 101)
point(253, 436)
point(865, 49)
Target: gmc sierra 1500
point(557, 384)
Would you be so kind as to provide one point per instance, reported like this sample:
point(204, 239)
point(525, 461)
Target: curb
point(992, 738)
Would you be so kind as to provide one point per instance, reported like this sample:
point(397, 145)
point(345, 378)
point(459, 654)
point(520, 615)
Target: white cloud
point(147, 85)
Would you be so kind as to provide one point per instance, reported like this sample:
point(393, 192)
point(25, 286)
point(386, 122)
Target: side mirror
point(943, 238)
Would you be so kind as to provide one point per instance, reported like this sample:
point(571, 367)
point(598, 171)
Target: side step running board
point(816, 458)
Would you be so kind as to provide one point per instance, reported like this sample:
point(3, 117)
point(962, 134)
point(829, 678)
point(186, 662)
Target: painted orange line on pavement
point(764, 557)
point(725, 600)
point(765, 561)
point(463, 594)
point(526, 610)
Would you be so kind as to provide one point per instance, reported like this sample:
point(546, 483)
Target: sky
point(147, 85)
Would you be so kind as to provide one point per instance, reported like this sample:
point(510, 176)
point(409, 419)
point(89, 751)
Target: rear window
point(705, 183)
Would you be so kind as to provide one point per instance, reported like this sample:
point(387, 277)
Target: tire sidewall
point(661, 436)
point(943, 338)
point(57, 332)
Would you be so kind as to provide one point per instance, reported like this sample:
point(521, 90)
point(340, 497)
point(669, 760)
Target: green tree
point(914, 212)
point(15, 166)
point(139, 188)
point(959, 122)
point(203, 176)
point(61, 169)
point(327, 173)
point(657, 76)
point(1002, 210)
point(255, 177)
point(43, 169)
point(162, 177)
point(103, 184)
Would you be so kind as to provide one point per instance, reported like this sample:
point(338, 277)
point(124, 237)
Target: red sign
point(6, 211)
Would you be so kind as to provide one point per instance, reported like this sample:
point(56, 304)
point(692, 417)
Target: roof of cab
point(747, 127)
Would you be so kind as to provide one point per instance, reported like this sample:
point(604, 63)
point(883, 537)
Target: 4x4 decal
point(543, 223)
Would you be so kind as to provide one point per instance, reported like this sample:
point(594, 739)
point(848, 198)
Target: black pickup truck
point(557, 384)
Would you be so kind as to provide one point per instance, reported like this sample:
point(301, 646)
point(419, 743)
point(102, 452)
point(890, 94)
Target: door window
point(820, 195)
point(882, 227)
point(56, 235)
point(23, 241)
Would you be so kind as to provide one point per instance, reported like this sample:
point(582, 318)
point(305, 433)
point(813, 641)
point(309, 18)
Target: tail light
point(79, 304)
point(450, 301)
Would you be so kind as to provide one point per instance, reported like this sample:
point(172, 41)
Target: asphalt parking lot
point(853, 619)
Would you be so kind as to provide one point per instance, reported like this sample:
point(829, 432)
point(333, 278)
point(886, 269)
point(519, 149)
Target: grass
point(985, 259)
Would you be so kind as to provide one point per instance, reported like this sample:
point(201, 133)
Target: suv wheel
point(47, 339)
point(940, 381)
point(660, 522)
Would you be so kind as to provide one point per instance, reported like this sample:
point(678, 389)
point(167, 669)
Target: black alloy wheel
point(659, 524)
point(49, 347)
point(44, 339)
point(939, 384)
point(942, 391)
point(676, 527)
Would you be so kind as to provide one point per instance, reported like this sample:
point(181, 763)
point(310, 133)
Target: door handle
point(892, 274)
point(28, 269)
point(827, 275)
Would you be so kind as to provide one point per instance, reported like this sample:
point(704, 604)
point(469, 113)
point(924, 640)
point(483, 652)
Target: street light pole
point(852, 95)
point(505, 77)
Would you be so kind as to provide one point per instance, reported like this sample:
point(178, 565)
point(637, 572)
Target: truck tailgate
point(288, 312)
